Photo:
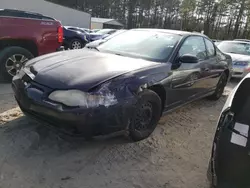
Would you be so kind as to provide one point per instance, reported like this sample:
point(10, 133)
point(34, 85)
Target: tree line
point(219, 19)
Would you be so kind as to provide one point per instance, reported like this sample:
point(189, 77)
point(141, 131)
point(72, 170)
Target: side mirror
point(188, 58)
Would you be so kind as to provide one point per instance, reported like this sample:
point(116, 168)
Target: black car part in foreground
point(229, 165)
point(124, 84)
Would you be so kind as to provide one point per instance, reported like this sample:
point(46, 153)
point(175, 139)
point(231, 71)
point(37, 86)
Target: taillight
point(60, 34)
point(248, 69)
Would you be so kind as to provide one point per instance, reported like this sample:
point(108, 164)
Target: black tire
point(220, 87)
point(78, 42)
point(148, 109)
point(7, 53)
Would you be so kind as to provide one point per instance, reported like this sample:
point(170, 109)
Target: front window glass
point(210, 48)
point(150, 45)
point(194, 46)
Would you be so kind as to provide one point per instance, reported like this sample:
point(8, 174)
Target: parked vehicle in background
point(215, 40)
point(95, 30)
point(124, 84)
point(96, 43)
point(76, 29)
point(217, 43)
point(244, 40)
point(240, 53)
point(24, 35)
point(101, 34)
point(229, 165)
point(74, 38)
point(106, 31)
point(86, 30)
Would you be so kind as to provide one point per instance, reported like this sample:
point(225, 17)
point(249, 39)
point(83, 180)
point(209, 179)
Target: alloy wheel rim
point(76, 45)
point(14, 63)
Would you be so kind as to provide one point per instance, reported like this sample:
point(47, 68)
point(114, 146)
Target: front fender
point(133, 83)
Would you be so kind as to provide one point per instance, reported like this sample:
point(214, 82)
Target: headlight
point(74, 98)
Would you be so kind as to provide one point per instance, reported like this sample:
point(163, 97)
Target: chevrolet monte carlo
point(125, 84)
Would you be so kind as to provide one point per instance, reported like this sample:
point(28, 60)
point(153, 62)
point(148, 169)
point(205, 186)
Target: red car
point(24, 35)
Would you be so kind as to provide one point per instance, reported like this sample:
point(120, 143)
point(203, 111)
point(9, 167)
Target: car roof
point(22, 11)
point(177, 32)
point(106, 29)
point(23, 14)
point(70, 26)
point(246, 40)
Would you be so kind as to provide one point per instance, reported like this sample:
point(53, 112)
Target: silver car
point(96, 43)
point(240, 54)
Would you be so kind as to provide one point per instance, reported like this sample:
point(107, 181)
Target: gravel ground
point(175, 156)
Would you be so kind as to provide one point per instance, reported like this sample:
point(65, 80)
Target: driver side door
point(188, 78)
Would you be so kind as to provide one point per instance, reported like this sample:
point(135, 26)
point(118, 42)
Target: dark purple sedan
point(125, 84)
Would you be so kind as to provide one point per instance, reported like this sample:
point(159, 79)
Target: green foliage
point(222, 19)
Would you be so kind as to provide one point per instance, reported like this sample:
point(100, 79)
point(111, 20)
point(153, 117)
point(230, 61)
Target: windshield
point(154, 46)
point(235, 47)
point(114, 34)
point(104, 31)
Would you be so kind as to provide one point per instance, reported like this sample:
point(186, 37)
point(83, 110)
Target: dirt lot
point(175, 156)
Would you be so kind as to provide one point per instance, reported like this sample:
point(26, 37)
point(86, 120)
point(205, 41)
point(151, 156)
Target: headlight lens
point(74, 98)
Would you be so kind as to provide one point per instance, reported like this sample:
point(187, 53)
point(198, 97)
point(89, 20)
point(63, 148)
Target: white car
point(96, 43)
point(240, 54)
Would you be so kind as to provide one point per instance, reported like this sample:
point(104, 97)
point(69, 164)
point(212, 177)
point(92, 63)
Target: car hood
point(94, 35)
point(81, 69)
point(239, 57)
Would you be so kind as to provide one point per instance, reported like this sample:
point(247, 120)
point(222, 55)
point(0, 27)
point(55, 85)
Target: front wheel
point(146, 116)
point(11, 61)
point(219, 88)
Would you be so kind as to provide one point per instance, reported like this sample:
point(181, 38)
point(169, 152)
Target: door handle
point(206, 69)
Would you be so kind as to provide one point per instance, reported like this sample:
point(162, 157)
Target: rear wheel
point(220, 87)
point(11, 61)
point(146, 116)
point(76, 44)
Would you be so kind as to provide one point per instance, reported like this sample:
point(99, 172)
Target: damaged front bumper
point(33, 101)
